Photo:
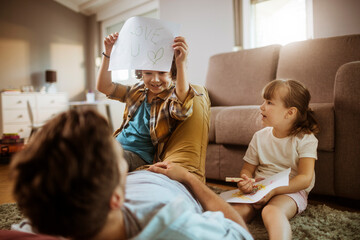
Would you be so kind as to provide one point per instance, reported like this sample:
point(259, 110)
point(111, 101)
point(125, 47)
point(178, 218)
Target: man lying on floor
point(71, 181)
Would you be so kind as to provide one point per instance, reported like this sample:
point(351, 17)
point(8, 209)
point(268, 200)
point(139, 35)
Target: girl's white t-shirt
point(272, 155)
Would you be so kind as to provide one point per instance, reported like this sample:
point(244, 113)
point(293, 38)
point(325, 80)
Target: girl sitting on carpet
point(287, 141)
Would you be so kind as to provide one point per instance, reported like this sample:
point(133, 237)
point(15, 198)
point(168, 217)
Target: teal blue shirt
point(136, 136)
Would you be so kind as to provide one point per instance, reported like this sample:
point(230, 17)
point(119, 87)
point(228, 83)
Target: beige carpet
point(9, 214)
point(316, 222)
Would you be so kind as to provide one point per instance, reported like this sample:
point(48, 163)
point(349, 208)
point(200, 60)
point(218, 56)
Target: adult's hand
point(172, 170)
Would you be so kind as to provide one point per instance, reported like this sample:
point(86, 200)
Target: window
point(267, 22)
point(126, 77)
point(279, 21)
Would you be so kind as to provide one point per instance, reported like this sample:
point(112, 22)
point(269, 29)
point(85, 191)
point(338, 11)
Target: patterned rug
point(316, 222)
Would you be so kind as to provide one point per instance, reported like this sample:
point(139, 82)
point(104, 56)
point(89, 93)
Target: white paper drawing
point(144, 44)
point(262, 188)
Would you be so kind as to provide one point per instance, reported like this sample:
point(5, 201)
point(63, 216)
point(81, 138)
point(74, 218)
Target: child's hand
point(181, 50)
point(109, 42)
point(246, 185)
point(262, 202)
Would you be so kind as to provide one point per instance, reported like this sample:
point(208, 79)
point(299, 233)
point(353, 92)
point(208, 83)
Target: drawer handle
point(52, 101)
point(21, 130)
point(19, 102)
point(20, 116)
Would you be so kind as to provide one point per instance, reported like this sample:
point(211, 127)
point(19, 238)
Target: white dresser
point(14, 111)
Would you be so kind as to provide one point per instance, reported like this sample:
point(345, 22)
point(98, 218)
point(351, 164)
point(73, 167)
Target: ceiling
point(87, 7)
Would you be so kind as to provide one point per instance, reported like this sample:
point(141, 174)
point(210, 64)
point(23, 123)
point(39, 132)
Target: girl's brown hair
point(297, 96)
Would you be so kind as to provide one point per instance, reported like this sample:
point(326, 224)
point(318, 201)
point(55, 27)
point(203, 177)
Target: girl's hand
point(180, 50)
point(262, 202)
point(246, 185)
point(109, 42)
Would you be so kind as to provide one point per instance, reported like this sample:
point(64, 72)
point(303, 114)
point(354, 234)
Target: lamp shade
point(50, 76)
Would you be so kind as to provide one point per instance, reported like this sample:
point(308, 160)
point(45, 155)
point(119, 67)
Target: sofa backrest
point(315, 63)
point(237, 78)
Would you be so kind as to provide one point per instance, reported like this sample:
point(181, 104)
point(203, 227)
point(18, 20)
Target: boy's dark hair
point(173, 71)
point(65, 177)
point(297, 96)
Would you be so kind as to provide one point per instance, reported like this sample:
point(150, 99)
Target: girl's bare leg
point(246, 211)
point(275, 216)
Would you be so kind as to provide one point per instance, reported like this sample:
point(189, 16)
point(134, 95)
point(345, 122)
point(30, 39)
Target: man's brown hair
point(65, 177)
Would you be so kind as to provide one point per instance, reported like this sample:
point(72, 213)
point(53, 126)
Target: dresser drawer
point(22, 129)
point(51, 100)
point(46, 114)
point(16, 116)
point(17, 101)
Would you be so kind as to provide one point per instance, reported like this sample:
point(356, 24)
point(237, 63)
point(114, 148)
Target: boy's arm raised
point(104, 83)
point(181, 51)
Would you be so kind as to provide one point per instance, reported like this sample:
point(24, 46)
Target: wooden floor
point(338, 203)
point(5, 185)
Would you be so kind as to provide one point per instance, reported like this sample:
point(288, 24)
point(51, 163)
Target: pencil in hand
point(235, 179)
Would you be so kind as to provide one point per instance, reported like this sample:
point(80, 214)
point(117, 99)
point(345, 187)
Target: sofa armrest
point(347, 130)
point(324, 114)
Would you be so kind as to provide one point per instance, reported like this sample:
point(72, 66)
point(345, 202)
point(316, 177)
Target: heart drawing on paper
point(155, 56)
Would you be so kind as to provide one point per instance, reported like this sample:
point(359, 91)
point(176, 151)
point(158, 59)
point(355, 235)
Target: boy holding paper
point(154, 106)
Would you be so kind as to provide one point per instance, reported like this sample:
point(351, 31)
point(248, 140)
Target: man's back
point(157, 207)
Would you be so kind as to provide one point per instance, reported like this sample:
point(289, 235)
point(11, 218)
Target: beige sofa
point(329, 67)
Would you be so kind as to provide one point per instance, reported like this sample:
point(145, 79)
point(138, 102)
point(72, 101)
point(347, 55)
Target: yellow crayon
point(235, 179)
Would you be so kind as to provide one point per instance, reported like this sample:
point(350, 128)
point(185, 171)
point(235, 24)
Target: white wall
point(208, 27)
point(336, 17)
point(43, 35)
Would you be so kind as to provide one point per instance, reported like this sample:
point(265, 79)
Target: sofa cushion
point(315, 63)
point(236, 125)
point(212, 168)
point(237, 78)
point(214, 111)
point(224, 160)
